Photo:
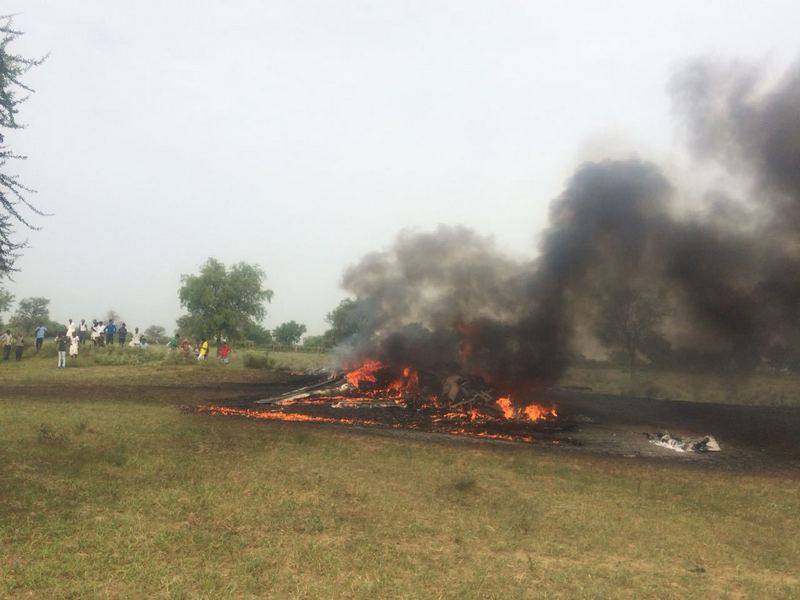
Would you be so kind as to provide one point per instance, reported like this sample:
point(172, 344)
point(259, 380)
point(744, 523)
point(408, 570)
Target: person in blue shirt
point(111, 329)
point(41, 331)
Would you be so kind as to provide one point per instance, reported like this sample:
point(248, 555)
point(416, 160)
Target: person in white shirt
point(70, 328)
point(73, 345)
point(97, 333)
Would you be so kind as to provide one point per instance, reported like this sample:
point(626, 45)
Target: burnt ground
point(751, 437)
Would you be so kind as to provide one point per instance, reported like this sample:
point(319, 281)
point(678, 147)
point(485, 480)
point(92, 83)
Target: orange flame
point(535, 412)
point(506, 406)
point(365, 373)
point(408, 381)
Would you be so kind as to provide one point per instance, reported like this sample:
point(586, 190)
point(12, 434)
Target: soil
point(752, 438)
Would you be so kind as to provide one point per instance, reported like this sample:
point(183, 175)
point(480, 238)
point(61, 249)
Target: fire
point(537, 413)
point(408, 381)
point(451, 423)
point(366, 373)
point(378, 395)
point(506, 406)
point(534, 412)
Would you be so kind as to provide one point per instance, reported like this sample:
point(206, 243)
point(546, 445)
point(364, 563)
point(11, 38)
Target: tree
point(32, 312)
point(112, 315)
point(155, 334)
point(289, 333)
point(223, 302)
point(6, 298)
point(315, 342)
point(258, 335)
point(12, 193)
point(346, 320)
point(628, 323)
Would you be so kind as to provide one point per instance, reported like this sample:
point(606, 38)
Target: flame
point(506, 406)
point(536, 412)
point(407, 382)
point(373, 385)
point(447, 423)
point(365, 373)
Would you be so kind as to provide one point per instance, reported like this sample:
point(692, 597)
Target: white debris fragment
point(678, 444)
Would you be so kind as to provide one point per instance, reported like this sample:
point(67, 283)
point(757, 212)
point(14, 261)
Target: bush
point(257, 360)
point(116, 355)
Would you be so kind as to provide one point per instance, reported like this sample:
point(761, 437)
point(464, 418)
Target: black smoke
point(727, 270)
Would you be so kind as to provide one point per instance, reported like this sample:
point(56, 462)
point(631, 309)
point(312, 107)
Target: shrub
point(115, 355)
point(257, 360)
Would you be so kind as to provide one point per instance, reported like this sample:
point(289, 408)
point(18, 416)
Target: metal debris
point(679, 444)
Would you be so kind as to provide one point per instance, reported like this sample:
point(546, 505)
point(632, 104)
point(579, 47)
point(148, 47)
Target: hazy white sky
point(300, 135)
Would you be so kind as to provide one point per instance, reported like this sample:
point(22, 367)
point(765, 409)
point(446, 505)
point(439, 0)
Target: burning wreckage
point(375, 395)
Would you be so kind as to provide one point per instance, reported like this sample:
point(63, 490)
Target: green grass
point(155, 364)
point(775, 389)
point(133, 497)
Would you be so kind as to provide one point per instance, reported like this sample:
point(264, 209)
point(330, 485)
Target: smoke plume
point(718, 285)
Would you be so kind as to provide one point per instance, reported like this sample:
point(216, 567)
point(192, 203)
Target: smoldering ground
point(619, 264)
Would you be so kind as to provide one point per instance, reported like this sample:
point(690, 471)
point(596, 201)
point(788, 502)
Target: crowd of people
point(100, 333)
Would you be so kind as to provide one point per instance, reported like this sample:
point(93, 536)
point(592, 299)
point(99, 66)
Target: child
point(73, 345)
point(61, 344)
point(19, 347)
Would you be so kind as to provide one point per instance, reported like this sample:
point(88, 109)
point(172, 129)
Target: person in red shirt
point(224, 351)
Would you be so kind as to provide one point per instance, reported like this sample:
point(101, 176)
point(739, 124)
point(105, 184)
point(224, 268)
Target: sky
point(301, 135)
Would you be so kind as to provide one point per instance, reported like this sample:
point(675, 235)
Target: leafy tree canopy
point(289, 333)
point(258, 335)
point(155, 334)
point(221, 301)
point(346, 320)
point(315, 342)
point(32, 312)
point(6, 298)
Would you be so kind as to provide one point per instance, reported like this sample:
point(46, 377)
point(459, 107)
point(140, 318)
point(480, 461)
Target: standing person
point(61, 346)
point(122, 333)
point(137, 338)
point(7, 339)
point(83, 330)
point(173, 344)
point(70, 328)
point(73, 346)
point(97, 333)
point(110, 330)
point(202, 349)
point(224, 350)
point(39, 334)
point(19, 347)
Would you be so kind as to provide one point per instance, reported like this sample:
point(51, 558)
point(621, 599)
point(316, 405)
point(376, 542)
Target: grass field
point(774, 389)
point(126, 495)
